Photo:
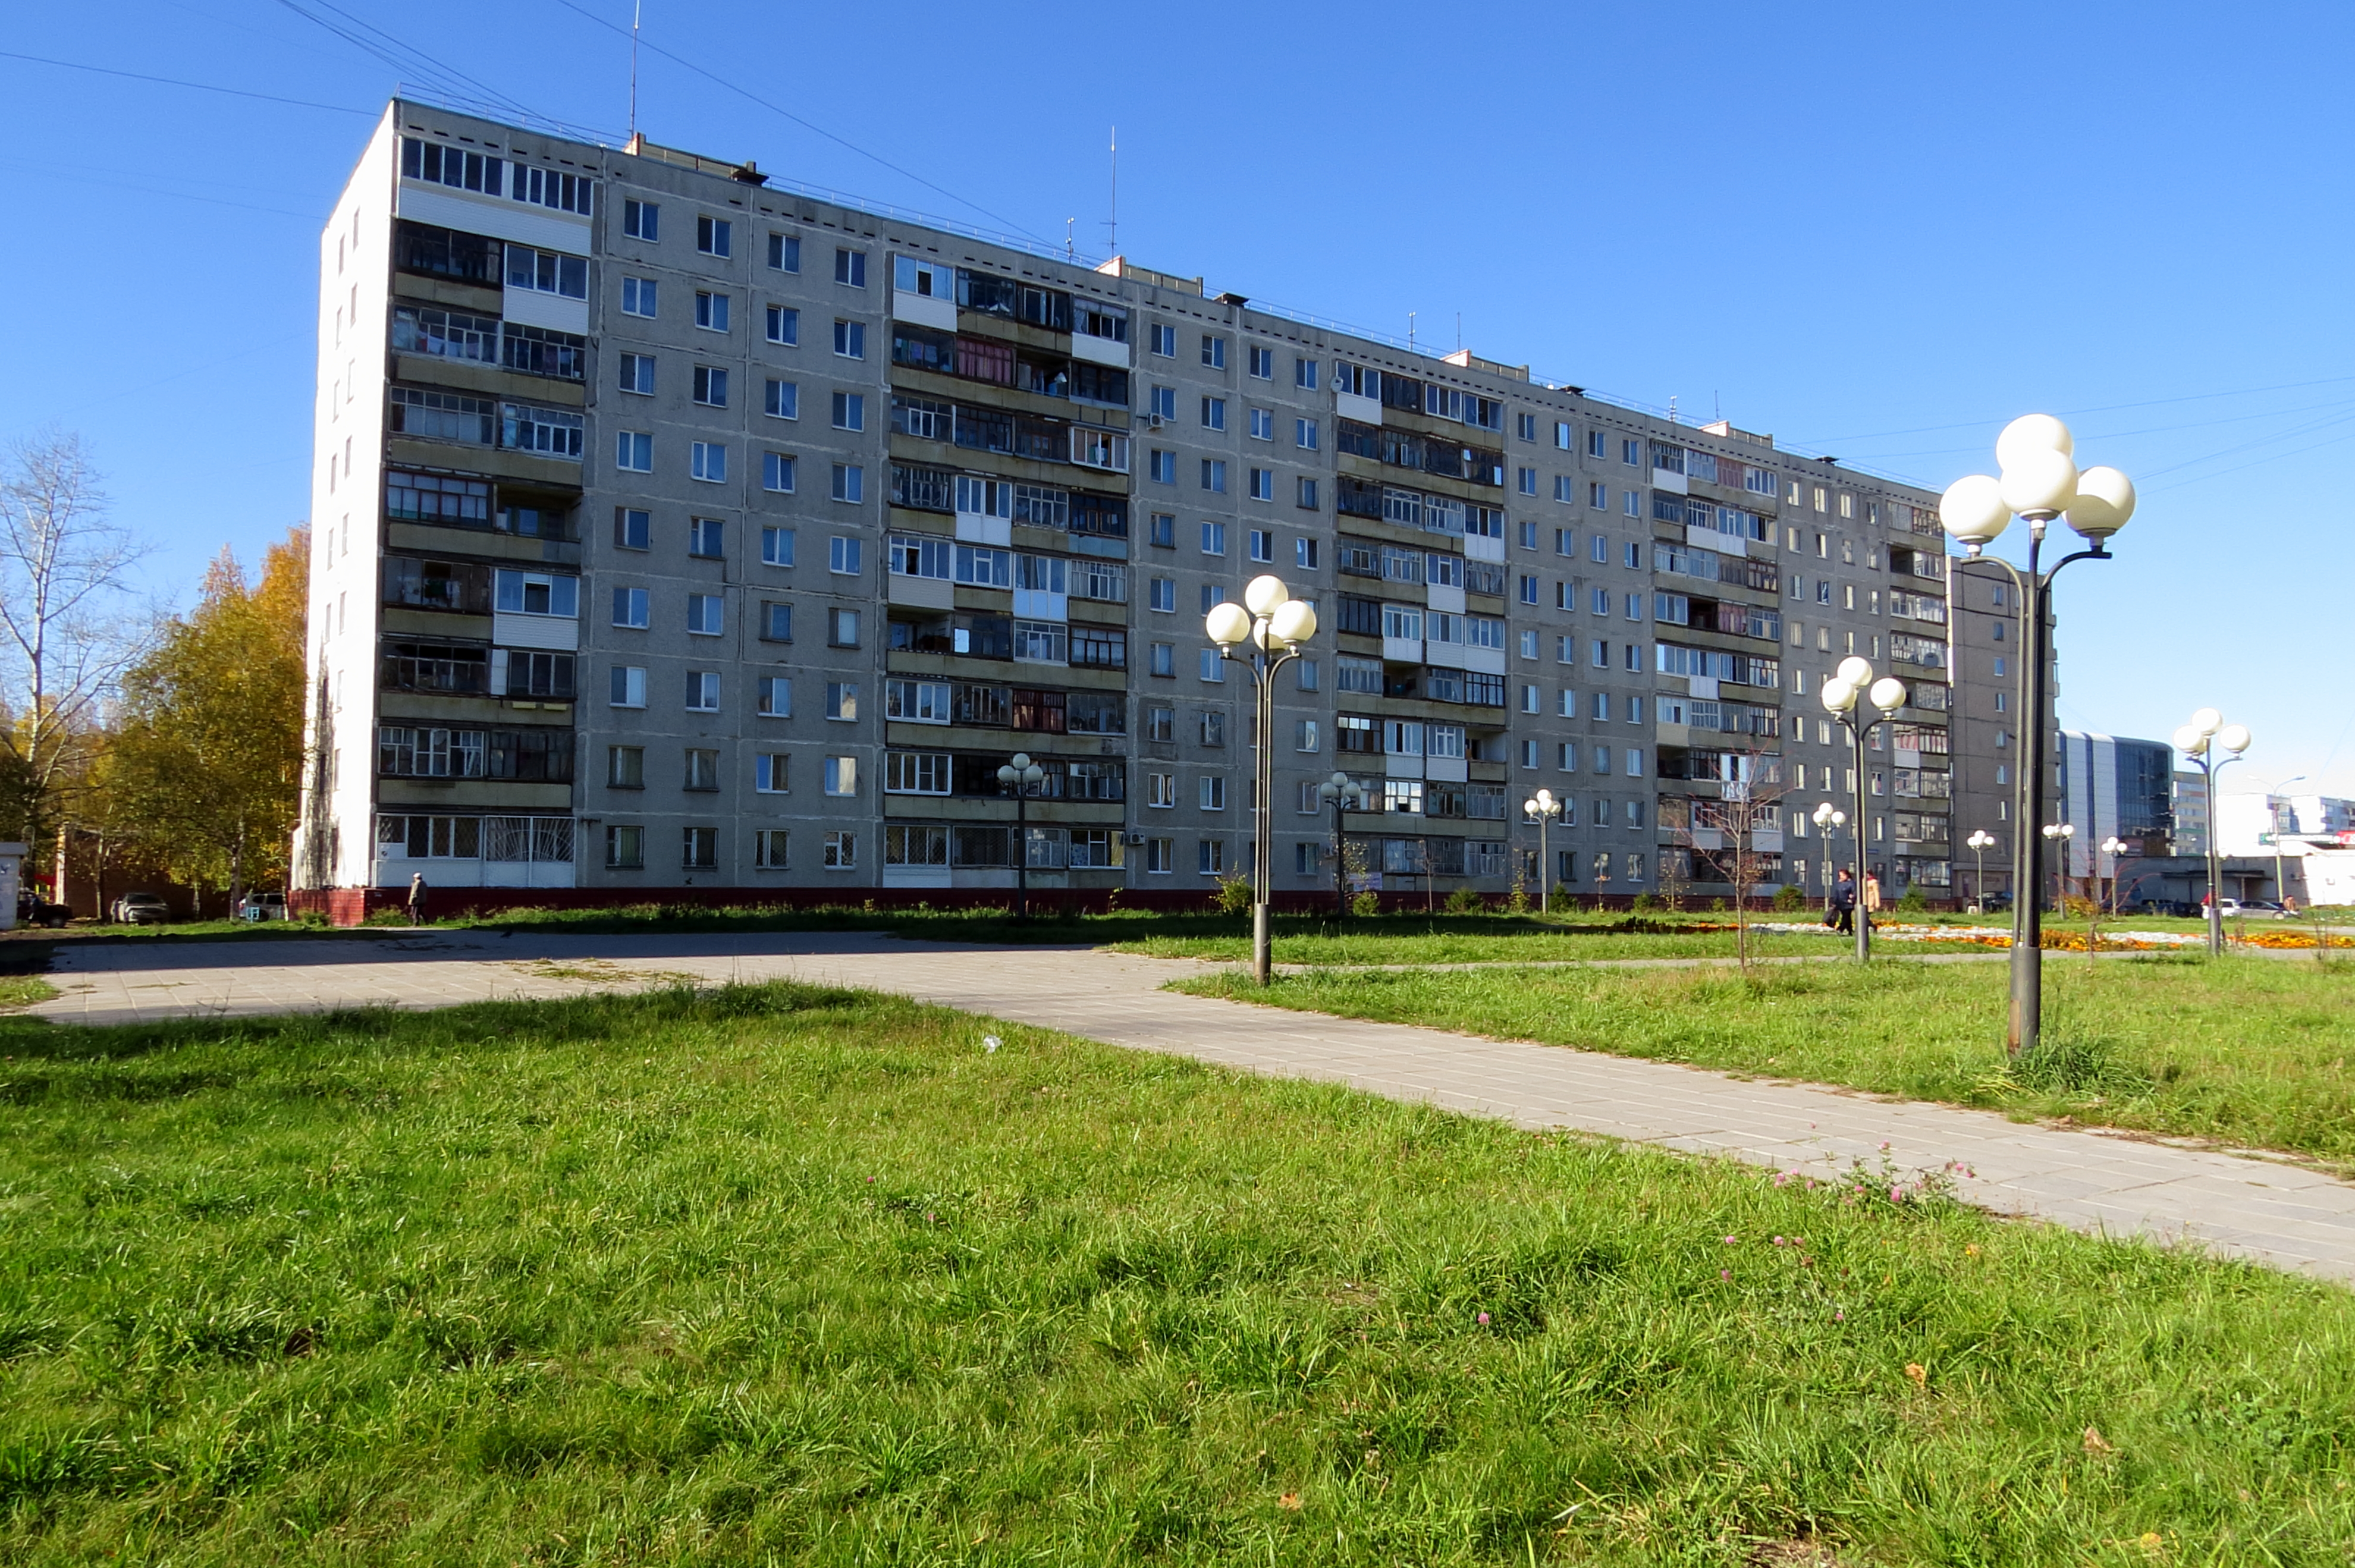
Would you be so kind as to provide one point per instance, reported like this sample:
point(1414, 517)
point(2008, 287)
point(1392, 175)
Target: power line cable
point(2097, 409)
point(405, 58)
point(805, 124)
point(196, 86)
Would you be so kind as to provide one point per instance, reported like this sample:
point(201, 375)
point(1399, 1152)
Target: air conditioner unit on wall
point(1137, 838)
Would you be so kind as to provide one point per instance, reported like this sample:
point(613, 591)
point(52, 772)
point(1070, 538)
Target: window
point(777, 477)
point(1214, 538)
point(703, 692)
point(1214, 351)
point(1631, 452)
point(849, 411)
point(850, 339)
point(708, 461)
point(1162, 595)
point(776, 695)
point(1304, 374)
point(1262, 363)
point(1304, 738)
point(1163, 661)
point(630, 608)
point(1213, 725)
point(634, 451)
point(915, 773)
point(1526, 481)
point(782, 399)
point(711, 386)
point(1165, 342)
point(1163, 467)
point(712, 311)
point(629, 687)
point(842, 775)
point(1262, 424)
point(1214, 413)
point(1210, 857)
point(632, 527)
point(1213, 793)
point(850, 267)
point(842, 628)
point(714, 235)
point(625, 848)
point(784, 326)
point(1262, 484)
point(642, 220)
point(548, 272)
point(1214, 475)
point(638, 297)
point(1211, 668)
point(704, 613)
point(841, 849)
point(1306, 494)
point(843, 556)
point(786, 253)
point(638, 374)
point(1306, 554)
point(702, 770)
point(849, 482)
point(1263, 544)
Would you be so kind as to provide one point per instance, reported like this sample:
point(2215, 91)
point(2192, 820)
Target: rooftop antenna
point(1071, 246)
point(636, 8)
point(1716, 407)
point(1112, 228)
point(1672, 409)
point(1459, 332)
point(1409, 332)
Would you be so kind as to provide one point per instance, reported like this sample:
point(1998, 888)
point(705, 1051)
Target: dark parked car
point(34, 910)
point(142, 908)
point(1995, 903)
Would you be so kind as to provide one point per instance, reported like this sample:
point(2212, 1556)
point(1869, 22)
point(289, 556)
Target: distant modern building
point(2190, 810)
point(2115, 787)
point(2311, 837)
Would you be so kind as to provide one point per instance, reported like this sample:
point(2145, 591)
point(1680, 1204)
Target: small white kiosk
point(12, 882)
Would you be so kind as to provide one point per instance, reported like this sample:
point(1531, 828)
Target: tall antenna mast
point(1112, 228)
point(636, 9)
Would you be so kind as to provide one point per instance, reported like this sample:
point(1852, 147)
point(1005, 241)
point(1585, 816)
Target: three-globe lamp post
point(1979, 843)
point(2116, 849)
point(1340, 792)
point(1276, 625)
point(1829, 820)
point(1845, 695)
point(2200, 740)
point(2040, 481)
point(1021, 775)
point(2057, 835)
point(1544, 810)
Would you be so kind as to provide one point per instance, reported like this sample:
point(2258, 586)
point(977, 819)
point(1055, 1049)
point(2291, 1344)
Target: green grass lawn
point(2250, 1051)
point(798, 1274)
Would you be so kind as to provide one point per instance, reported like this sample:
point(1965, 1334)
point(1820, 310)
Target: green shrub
point(1562, 901)
point(1234, 895)
point(1790, 898)
point(1366, 904)
point(1717, 906)
point(1914, 903)
point(1463, 900)
point(1646, 903)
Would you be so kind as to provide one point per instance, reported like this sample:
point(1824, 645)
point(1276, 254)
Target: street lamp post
point(2281, 886)
point(1542, 809)
point(1340, 790)
point(2041, 481)
point(2116, 849)
point(2057, 835)
point(1829, 820)
point(1277, 624)
point(1843, 695)
point(2198, 740)
point(1019, 775)
point(1979, 842)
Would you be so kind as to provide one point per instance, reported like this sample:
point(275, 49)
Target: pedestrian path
point(2272, 1210)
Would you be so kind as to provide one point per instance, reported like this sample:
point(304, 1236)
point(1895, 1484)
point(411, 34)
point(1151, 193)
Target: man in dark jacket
point(1844, 903)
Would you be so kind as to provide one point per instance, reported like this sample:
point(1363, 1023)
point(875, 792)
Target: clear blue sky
point(1874, 231)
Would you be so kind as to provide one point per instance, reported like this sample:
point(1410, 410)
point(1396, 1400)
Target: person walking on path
point(1844, 904)
point(1871, 897)
point(417, 899)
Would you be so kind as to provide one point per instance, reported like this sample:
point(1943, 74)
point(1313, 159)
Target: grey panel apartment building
point(676, 531)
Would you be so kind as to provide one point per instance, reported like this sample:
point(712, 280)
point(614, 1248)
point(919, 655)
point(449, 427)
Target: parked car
point(2252, 909)
point(34, 910)
point(1995, 903)
point(142, 908)
point(265, 906)
point(2183, 908)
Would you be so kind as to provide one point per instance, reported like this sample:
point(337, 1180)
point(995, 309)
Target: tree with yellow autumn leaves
point(206, 756)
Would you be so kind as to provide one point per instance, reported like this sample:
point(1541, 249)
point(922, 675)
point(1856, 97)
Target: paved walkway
point(2268, 1210)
